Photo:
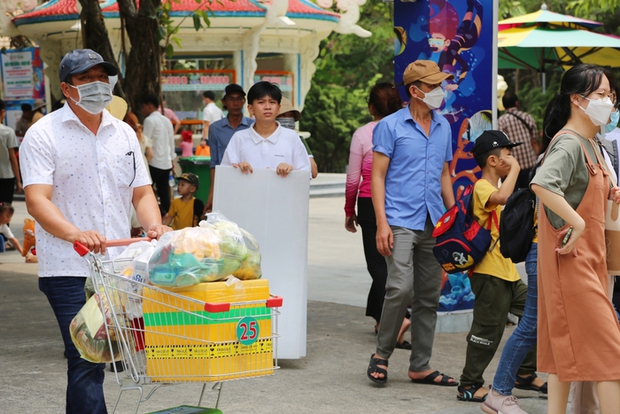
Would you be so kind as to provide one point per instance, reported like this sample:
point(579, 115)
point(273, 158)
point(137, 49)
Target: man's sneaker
point(501, 404)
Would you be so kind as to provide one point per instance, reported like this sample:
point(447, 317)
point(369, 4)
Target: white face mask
point(432, 99)
point(599, 110)
point(287, 123)
point(94, 96)
point(113, 79)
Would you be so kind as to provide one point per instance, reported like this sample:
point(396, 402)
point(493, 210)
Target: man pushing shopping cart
point(82, 171)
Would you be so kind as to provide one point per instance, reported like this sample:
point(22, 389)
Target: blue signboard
point(460, 36)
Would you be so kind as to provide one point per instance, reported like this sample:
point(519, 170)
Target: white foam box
point(275, 211)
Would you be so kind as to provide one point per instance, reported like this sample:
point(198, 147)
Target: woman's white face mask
point(598, 110)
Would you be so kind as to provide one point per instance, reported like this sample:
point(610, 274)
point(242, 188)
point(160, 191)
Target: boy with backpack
point(495, 281)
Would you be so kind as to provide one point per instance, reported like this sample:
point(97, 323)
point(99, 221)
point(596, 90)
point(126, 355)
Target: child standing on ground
point(187, 146)
point(6, 213)
point(185, 211)
point(266, 144)
point(495, 281)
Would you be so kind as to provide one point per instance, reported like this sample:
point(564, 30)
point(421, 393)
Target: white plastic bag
point(210, 252)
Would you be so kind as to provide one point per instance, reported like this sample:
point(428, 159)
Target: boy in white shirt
point(266, 144)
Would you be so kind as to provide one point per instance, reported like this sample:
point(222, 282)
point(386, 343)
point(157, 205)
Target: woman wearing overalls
point(578, 332)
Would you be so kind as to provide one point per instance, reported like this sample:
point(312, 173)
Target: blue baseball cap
point(80, 60)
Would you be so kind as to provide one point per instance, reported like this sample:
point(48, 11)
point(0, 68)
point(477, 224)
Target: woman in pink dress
point(383, 100)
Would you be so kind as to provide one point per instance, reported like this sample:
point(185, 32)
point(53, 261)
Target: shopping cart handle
point(126, 242)
point(80, 248)
point(274, 302)
point(216, 307)
point(83, 250)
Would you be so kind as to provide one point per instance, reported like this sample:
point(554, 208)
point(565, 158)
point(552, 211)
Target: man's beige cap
point(425, 71)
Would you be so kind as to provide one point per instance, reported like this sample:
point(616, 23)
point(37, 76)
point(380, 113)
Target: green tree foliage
point(594, 8)
point(332, 113)
point(152, 31)
point(510, 8)
point(169, 27)
point(347, 67)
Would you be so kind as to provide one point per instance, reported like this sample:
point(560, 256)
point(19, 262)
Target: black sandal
point(403, 345)
point(526, 384)
point(430, 379)
point(467, 394)
point(373, 367)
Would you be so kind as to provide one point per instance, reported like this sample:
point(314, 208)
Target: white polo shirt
point(212, 113)
point(91, 177)
point(160, 130)
point(284, 145)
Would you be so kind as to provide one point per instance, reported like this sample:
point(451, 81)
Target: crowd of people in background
point(399, 180)
point(565, 308)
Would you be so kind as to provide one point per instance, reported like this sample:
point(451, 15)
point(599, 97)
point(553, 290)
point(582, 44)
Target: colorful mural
point(458, 35)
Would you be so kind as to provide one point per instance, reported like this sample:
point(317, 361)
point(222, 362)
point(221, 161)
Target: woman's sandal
point(373, 367)
point(527, 384)
point(467, 394)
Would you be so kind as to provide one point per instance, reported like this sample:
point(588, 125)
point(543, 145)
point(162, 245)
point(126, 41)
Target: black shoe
point(119, 366)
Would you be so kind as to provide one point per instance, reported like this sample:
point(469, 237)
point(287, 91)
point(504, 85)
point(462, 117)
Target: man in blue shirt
point(220, 132)
point(411, 185)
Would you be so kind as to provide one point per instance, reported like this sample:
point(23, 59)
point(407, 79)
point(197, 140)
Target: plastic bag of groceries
point(210, 252)
point(131, 263)
point(88, 331)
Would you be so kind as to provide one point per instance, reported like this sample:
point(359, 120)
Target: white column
point(251, 44)
point(51, 53)
point(292, 64)
point(309, 51)
point(238, 66)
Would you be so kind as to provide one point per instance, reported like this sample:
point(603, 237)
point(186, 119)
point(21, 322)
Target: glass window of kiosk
point(185, 80)
point(270, 68)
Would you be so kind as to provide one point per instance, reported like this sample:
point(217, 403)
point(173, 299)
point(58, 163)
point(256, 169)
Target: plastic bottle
point(171, 180)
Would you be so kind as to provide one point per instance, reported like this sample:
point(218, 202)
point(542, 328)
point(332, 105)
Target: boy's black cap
point(190, 178)
point(233, 88)
point(492, 139)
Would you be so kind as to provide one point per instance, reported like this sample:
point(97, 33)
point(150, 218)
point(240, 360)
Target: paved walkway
point(331, 379)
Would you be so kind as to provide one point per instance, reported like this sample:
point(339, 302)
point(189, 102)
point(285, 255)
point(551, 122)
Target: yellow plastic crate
point(184, 342)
